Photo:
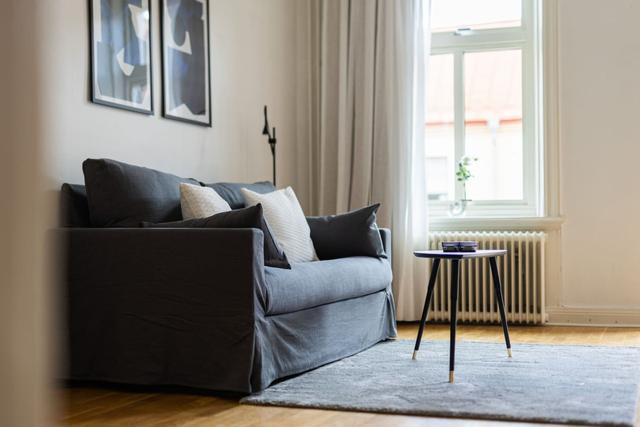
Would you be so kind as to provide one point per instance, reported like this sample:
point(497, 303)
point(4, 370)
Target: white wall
point(253, 63)
point(599, 71)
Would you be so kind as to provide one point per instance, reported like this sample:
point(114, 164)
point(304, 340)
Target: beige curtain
point(366, 119)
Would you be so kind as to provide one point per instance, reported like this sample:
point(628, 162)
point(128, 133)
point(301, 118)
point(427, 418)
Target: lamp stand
point(271, 139)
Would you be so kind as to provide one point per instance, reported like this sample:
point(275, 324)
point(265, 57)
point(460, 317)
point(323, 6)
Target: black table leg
point(427, 303)
point(453, 308)
point(498, 290)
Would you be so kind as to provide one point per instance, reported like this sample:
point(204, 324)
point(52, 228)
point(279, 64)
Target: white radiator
point(521, 273)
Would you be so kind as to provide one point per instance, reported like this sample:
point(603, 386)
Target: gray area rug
point(542, 383)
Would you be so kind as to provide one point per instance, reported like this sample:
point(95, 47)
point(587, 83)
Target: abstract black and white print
point(185, 53)
point(121, 54)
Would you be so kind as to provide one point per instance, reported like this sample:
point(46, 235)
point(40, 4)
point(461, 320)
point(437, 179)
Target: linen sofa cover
point(310, 284)
point(187, 307)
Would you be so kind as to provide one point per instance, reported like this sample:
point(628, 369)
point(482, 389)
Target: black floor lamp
point(272, 141)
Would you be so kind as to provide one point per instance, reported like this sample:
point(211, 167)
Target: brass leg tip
point(415, 355)
point(451, 376)
point(509, 352)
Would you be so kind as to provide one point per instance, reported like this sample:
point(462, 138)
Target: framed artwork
point(120, 32)
point(186, 81)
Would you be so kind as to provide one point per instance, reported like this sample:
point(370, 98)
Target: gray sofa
point(198, 308)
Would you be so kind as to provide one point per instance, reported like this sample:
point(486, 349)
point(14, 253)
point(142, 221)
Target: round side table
point(455, 258)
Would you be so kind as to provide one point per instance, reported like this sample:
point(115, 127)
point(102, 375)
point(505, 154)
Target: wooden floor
point(92, 406)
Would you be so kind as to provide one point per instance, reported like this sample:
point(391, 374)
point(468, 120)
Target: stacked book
point(460, 246)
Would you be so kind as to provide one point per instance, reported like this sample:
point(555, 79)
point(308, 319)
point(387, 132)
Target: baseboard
point(593, 316)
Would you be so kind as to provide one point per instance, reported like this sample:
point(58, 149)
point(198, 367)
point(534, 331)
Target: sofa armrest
point(144, 303)
point(385, 234)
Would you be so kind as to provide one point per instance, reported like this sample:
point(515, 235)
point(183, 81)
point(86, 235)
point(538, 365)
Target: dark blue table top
point(480, 253)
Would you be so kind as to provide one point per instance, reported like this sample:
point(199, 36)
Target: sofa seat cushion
point(311, 284)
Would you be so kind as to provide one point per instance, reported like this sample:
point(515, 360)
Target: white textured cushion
point(200, 202)
point(287, 222)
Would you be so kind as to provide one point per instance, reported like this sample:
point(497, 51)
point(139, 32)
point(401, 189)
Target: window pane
point(440, 133)
point(493, 124)
point(449, 15)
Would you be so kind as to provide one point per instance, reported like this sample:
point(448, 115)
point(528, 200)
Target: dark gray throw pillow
point(251, 217)
point(123, 195)
point(230, 191)
point(354, 233)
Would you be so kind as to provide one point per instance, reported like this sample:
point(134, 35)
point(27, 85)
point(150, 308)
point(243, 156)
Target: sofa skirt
point(292, 343)
point(236, 354)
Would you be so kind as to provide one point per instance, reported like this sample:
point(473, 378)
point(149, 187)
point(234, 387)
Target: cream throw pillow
point(287, 222)
point(200, 202)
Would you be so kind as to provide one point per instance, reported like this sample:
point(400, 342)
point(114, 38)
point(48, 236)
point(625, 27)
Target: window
point(451, 15)
point(482, 103)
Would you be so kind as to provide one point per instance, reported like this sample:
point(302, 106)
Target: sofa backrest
point(74, 207)
point(230, 191)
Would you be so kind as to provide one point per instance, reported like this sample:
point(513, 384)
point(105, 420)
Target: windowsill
point(504, 223)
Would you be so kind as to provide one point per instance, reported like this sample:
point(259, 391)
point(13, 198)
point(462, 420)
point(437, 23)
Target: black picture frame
point(195, 84)
point(103, 58)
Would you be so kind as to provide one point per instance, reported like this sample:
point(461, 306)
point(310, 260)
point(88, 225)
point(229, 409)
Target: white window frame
point(527, 37)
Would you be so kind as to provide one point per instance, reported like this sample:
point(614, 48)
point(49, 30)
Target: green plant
point(463, 173)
